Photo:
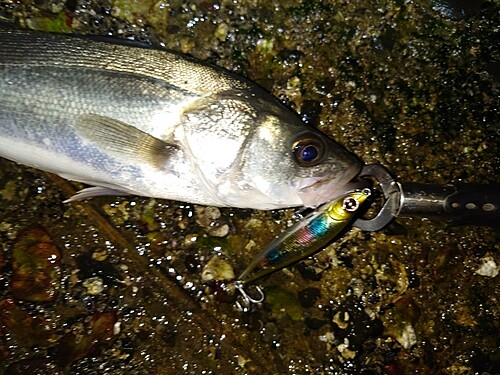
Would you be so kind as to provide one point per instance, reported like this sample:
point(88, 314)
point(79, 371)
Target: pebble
point(217, 268)
point(94, 285)
point(488, 267)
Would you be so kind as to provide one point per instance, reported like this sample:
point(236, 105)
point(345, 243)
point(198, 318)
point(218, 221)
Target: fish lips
point(316, 190)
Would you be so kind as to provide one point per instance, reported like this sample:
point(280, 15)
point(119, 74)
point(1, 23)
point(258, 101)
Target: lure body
point(307, 236)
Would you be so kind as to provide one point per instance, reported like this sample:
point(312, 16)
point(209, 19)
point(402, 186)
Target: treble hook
point(248, 301)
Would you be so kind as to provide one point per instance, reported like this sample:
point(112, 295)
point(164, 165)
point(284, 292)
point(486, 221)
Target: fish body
point(307, 236)
point(131, 120)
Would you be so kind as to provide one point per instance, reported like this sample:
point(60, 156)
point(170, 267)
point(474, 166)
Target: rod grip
point(461, 204)
point(475, 204)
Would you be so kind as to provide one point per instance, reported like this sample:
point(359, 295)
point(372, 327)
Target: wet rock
point(219, 230)
point(85, 337)
point(352, 325)
point(443, 84)
point(488, 267)
point(457, 9)
point(308, 297)
point(36, 266)
point(89, 268)
point(39, 366)
point(170, 337)
point(222, 291)
point(211, 218)
point(217, 268)
point(206, 216)
point(190, 239)
point(393, 367)
point(311, 112)
point(314, 323)
point(3, 264)
point(309, 272)
point(221, 31)
point(2, 260)
point(94, 285)
point(270, 333)
point(4, 349)
point(400, 321)
point(27, 329)
point(283, 302)
point(192, 263)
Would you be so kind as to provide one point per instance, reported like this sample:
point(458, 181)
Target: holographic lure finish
point(307, 236)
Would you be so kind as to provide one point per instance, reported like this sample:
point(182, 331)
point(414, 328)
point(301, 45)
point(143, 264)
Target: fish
point(150, 122)
point(306, 237)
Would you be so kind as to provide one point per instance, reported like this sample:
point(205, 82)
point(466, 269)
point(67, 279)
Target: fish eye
point(308, 150)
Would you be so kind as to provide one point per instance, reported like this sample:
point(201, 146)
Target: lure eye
point(308, 150)
point(350, 204)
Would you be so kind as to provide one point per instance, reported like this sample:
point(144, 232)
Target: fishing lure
point(306, 237)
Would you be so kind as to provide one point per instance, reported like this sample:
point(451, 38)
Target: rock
point(217, 268)
point(36, 266)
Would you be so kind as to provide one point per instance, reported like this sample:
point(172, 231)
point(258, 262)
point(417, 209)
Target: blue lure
point(307, 236)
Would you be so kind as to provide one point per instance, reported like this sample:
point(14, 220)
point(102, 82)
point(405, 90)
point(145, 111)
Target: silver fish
point(131, 120)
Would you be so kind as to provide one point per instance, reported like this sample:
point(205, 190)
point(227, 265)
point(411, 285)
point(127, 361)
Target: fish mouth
point(307, 184)
point(320, 182)
point(316, 190)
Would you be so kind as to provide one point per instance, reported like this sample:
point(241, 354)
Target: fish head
point(323, 168)
point(292, 164)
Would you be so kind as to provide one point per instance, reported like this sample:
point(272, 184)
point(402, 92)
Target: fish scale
point(144, 121)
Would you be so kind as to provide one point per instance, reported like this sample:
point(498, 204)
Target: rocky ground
point(132, 285)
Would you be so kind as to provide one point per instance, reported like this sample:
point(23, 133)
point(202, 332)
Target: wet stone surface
point(36, 266)
point(411, 85)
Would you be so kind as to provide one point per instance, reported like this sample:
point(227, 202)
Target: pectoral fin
point(123, 140)
point(94, 191)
